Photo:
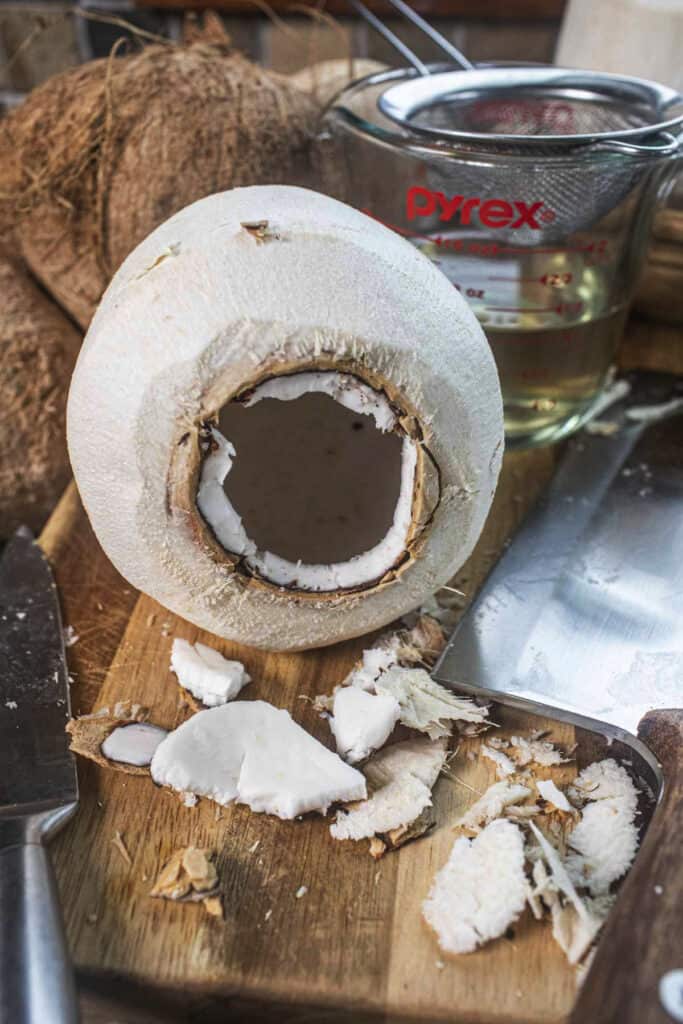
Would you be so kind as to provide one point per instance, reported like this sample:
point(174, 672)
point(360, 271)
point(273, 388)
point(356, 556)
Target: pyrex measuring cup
point(545, 240)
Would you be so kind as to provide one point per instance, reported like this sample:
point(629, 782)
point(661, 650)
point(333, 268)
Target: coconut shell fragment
point(38, 350)
point(98, 156)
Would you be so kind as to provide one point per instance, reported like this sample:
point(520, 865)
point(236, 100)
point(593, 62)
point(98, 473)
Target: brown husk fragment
point(100, 155)
point(398, 837)
point(89, 732)
point(423, 643)
point(38, 349)
point(190, 876)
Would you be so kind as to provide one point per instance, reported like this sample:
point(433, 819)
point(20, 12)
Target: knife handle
point(637, 974)
point(36, 978)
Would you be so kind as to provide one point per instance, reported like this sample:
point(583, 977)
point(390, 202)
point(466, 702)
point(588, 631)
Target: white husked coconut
point(401, 777)
point(285, 423)
point(481, 889)
point(208, 676)
point(362, 722)
point(256, 754)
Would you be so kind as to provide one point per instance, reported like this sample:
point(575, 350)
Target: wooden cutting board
point(354, 947)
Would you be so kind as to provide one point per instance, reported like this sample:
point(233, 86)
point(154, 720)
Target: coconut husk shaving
point(423, 643)
point(190, 876)
point(397, 837)
point(89, 732)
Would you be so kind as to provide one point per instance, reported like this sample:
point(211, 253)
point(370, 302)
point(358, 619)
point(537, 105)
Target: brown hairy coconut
point(99, 156)
point(38, 349)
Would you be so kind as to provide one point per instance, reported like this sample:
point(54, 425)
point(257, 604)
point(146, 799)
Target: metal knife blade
point(37, 770)
point(583, 614)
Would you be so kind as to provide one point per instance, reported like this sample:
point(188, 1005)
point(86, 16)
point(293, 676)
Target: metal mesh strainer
point(549, 113)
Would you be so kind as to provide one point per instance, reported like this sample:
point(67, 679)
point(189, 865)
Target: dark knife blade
point(37, 770)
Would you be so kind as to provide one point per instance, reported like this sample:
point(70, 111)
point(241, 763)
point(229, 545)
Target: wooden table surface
point(354, 947)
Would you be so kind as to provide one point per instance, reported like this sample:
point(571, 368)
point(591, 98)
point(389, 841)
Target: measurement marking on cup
point(521, 309)
point(552, 280)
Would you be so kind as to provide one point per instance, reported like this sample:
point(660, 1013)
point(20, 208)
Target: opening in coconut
point(311, 478)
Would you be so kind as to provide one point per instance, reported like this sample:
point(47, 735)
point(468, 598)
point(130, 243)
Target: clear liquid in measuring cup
point(550, 319)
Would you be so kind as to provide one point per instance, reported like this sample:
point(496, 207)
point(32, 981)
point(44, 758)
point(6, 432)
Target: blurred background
point(38, 39)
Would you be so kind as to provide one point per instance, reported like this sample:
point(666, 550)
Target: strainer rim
point(569, 146)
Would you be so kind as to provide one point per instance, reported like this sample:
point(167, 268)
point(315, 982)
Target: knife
point(38, 790)
point(582, 620)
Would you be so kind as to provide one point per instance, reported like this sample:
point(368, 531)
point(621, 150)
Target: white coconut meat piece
point(552, 795)
point(605, 780)
point(207, 675)
point(492, 804)
point(480, 891)
point(133, 744)
point(604, 844)
point(342, 387)
point(401, 778)
point(426, 705)
point(362, 722)
point(605, 840)
point(254, 753)
point(179, 344)
point(375, 660)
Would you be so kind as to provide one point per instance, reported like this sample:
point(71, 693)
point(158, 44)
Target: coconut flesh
point(299, 423)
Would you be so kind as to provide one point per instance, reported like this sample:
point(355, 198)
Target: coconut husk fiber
point(38, 349)
point(100, 155)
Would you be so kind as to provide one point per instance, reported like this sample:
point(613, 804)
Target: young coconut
point(299, 424)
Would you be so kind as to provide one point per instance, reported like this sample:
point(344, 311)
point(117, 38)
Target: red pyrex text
point(492, 213)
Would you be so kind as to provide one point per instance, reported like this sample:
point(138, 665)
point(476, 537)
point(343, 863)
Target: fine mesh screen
point(530, 113)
